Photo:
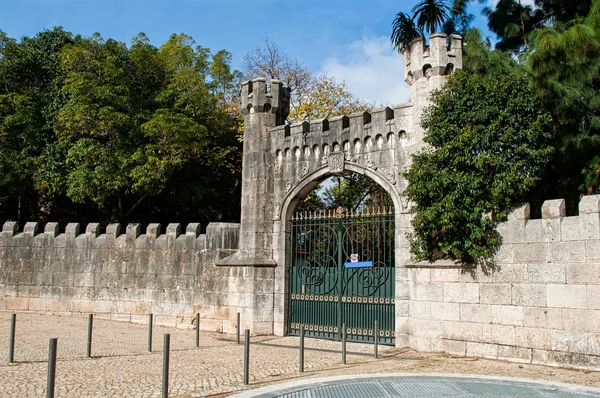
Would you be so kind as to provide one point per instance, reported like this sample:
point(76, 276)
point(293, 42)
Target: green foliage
point(564, 66)
point(489, 142)
point(92, 128)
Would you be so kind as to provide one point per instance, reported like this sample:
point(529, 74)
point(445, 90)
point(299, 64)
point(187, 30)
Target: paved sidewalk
point(122, 367)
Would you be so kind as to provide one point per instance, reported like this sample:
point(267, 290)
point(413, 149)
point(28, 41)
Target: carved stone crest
point(288, 186)
point(371, 164)
point(391, 176)
point(348, 156)
point(336, 162)
point(304, 171)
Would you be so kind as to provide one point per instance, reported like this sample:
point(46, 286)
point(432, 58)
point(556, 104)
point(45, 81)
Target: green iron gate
point(342, 273)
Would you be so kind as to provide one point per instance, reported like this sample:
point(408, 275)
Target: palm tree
point(431, 15)
point(404, 31)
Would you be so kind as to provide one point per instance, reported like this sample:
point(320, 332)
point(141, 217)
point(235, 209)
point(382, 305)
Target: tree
point(93, 130)
point(428, 17)
point(490, 141)
point(312, 96)
point(564, 66)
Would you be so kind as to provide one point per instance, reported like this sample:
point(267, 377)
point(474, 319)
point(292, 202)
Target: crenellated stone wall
point(124, 276)
point(540, 304)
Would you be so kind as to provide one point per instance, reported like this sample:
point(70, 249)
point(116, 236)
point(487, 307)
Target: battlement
point(442, 57)
point(218, 235)
point(366, 127)
point(554, 224)
point(258, 96)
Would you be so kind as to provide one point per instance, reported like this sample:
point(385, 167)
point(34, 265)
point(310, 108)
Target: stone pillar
point(262, 109)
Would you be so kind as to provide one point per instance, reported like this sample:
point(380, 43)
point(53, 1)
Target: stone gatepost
point(263, 108)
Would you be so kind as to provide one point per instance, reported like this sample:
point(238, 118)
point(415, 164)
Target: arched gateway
point(282, 163)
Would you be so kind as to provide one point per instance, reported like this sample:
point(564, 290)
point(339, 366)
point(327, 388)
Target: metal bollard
point(344, 343)
point(238, 328)
point(150, 319)
point(301, 366)
point(376, 339)
point(197, 329)
point(89, 335)
point(11, 343)
point(165, 375)
point(51, 369)
point(246, 356)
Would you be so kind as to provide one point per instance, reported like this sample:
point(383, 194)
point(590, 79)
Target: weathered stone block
point(51, 229)
point(93, 229)
point(517, 354)
point(445, 311)
point(499, 334)
point(427, 291)
point(420, 274)
point(17, 304)
point(529, 295)
point(594, 343)
point(444, 275)
point(549, 318)
point(153, 230)
point(481, 313)
point(495, 293)
point(552, 209)
point(507, 315)
point(593, 297)
point(565, 340)
point(420, 309)
point(461, 292)
point(567, 252)
point(546, 273)
point(581, 320)
point(533, 338)
point(463, 331)
point(567, 296)
point(455, 347)
point(531, 252)
point(516, 273)
point(72, 230)
point(482, 350)
point(578, 273)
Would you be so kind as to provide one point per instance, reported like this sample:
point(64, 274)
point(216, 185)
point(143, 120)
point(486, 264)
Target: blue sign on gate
point(358, 264)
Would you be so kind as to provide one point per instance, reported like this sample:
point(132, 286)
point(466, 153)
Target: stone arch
point(309, 182)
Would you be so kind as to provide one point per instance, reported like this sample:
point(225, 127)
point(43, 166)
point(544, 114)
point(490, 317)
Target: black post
point(301, 348)
point(197, 329)
point(150, 318)
point(238, 328)
point(246, 355)
point(11, 343)
point(165, 376)
point(376, 340)
point(344, 343)
point(51, 369)
point(89, 339)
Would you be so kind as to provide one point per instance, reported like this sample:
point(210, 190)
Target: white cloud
point(372, 70)
point(492, 3)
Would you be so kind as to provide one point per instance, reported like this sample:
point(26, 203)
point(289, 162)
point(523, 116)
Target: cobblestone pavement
point(122, 367)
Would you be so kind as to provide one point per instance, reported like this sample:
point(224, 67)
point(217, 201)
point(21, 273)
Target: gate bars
point(343, 271)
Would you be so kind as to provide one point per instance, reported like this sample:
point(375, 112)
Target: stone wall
point(540, 304)
point(123, 276)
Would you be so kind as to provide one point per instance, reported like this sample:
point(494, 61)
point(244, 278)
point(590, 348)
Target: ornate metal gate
point(342, 273)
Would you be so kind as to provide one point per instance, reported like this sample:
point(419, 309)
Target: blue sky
point(345, 38)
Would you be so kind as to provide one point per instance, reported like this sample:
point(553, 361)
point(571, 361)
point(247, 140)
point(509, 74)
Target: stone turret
point(426, 69)
point(442, 57)
point(263, 107)
point(256, 97)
